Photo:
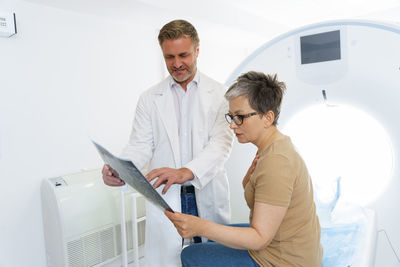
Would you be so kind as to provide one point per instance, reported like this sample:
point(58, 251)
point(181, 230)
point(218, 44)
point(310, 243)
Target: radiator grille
point(91, 249)
point(75, 253)
point(107, 244)
point(97, 247)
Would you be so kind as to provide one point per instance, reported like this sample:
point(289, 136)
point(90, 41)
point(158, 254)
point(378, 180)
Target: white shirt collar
point(196, 79)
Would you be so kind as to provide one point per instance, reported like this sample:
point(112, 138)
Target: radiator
point(81, 220)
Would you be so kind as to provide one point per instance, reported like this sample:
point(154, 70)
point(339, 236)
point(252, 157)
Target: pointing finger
point(153, 174)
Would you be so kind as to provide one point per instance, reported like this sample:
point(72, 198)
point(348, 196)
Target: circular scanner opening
point(347, 142)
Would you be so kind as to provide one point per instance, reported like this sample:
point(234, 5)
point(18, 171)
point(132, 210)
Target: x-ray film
point(132, 176)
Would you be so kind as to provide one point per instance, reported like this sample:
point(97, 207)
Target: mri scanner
point(335, 71)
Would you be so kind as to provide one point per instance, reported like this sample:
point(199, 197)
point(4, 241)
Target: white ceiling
point(249, 15)
point(291, 13)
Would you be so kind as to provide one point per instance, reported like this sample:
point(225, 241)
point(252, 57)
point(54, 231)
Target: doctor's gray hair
point(264, 92)
point(176, 29)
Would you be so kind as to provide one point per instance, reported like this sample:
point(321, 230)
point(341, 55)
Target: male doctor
point(180, 129)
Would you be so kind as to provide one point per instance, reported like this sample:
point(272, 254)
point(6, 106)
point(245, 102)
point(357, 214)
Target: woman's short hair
point(263, 91)
point(177, 29)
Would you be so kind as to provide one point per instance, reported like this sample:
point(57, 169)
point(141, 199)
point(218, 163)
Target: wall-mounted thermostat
point(8, 24)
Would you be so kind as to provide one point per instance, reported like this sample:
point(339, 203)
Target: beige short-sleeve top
point(281, 178)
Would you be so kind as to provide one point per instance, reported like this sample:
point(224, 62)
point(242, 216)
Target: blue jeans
point(189, 206)
point(216, 255)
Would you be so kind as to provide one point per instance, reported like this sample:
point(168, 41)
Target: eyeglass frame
point(239, 116)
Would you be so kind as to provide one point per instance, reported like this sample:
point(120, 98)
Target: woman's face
point(252, 128)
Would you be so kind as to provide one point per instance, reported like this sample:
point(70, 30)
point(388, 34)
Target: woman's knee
point(188, 254)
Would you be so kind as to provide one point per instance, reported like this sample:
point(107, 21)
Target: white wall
point(62, 76)
point(69, 75)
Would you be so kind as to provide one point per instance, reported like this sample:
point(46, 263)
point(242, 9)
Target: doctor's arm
point(139, 147)
point(264, 225)
point(204, 166)
point(169, 176)
point(211, 160)
point(141, 141)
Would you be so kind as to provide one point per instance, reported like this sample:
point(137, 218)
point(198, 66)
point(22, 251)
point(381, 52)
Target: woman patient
point(284, 229)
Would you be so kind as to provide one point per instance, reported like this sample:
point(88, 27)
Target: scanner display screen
point(320, 47)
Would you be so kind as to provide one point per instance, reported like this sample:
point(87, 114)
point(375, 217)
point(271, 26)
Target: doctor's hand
point(169, 176)
point(187, 225)
point(111, 176)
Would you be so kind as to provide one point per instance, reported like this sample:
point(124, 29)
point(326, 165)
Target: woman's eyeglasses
point(238, 119)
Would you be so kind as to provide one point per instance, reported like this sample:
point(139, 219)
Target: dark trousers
point(189, 206)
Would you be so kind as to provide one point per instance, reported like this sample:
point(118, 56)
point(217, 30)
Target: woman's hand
point(187, 225)
point(250, 171)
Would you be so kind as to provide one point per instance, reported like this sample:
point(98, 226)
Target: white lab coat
point(154, 138)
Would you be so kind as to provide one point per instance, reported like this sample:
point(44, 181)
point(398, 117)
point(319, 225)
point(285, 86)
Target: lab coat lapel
point(201, 110)
point(165, 105)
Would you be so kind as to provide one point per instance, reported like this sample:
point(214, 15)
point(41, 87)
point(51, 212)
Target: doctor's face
point(181, 59)
point(252, 127)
